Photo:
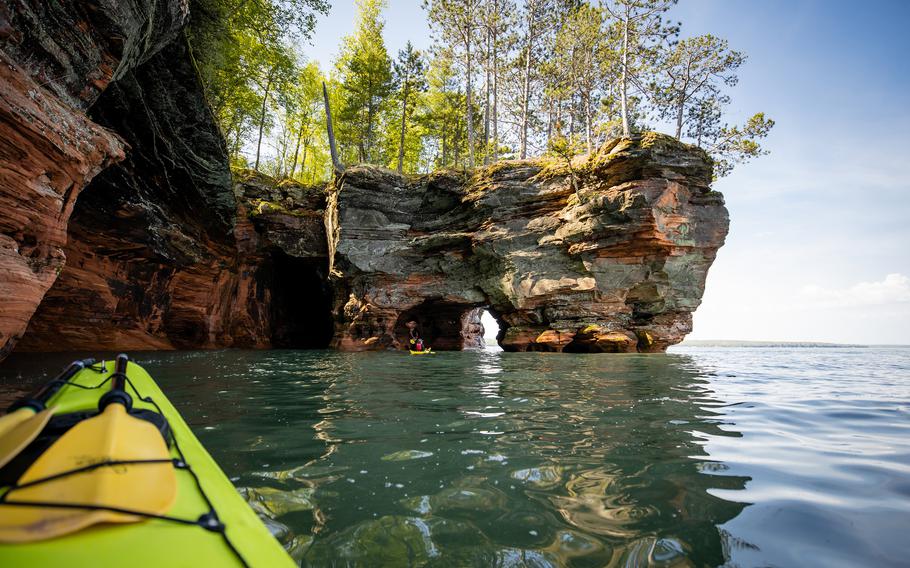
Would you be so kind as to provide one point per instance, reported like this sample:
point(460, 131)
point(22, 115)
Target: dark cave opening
point(443, 325)
point(301, 304)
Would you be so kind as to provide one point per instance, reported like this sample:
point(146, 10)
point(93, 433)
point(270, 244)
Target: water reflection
point(466, 459)
point(589, 461)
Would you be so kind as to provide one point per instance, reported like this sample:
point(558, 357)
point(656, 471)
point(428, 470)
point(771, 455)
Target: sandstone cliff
point(617, 266)
point(120, 217)
point(55, 60)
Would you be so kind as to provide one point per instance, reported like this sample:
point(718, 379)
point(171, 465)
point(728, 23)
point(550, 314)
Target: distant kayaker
point(414, 336)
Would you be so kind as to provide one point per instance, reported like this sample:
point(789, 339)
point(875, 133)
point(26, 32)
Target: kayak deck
point(157, 542)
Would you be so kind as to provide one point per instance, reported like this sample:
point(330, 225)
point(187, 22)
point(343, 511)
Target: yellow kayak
point(206, 523)
point(427, 351)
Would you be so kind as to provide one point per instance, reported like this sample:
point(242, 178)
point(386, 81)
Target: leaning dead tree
point(330, 219)
point(336, 163)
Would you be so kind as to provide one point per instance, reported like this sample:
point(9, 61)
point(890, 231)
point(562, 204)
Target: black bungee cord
point(208, 521)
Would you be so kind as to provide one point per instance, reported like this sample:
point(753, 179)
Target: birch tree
point(274, 78)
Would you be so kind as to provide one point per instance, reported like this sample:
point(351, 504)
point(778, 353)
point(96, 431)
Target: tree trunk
point(588, 118)
point(470, 102)
point(526, 87)
point(442, 128)
point(495, 95)
point(306, 145)
point(404, 118)
point(572, 111)
point(486, 104)
point(624, 81)
point(549, 121)
point(236, 150)
point(265, 100)
point(559, 117)
point(679, 116)
point(336, 164)
point(296, 150)
point(281, 169)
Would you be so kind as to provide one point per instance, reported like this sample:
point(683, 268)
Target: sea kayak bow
point(208, 523)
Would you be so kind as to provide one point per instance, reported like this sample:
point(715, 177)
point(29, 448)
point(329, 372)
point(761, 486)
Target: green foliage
point(504, 79)
point(565, 149)
point(692, 74)
point(440, 115)
point(410, 83)
point(579, 67)
point(247, 69)
point(738, 144)
point(365, 76)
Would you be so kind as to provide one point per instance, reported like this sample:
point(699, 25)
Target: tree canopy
point(503, 79)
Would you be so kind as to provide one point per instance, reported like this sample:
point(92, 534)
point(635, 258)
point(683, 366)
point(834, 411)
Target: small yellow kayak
point(427, 351)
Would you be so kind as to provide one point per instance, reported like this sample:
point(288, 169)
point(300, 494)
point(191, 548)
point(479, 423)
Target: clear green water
point(703, 457)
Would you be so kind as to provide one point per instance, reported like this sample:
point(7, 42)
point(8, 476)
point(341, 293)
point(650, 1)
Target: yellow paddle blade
point(13, 419)
point(113, 435)
point(14, 439)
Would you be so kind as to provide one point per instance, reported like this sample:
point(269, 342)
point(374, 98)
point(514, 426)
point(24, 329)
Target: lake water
point(701, 457)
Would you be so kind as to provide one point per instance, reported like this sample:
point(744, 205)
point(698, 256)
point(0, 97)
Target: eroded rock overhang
point(614, 262)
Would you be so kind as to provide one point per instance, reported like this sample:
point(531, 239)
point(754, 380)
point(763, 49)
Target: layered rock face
point(153, 260)
point(608, 254)
point(127, 287)
point(55, 59)
point(160, 252)
point(120, 216)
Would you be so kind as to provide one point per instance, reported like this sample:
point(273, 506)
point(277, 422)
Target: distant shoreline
point(766, 344)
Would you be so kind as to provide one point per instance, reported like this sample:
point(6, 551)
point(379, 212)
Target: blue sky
point(820, 229)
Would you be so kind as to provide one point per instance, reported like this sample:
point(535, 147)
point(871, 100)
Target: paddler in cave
point(414, 339)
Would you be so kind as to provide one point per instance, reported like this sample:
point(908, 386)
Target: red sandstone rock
point(48, 151)
point(55, 59)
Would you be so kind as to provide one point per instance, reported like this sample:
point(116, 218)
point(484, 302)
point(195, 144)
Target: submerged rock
point(272, 502)
point(387, 541)
point(543, 477)
point(405, 455)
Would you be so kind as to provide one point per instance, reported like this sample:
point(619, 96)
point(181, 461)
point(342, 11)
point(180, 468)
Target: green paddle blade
point(16, 434)
point(114, 435)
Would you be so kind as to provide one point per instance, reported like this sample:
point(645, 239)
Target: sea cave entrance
point(445, 325)
point(301, 307)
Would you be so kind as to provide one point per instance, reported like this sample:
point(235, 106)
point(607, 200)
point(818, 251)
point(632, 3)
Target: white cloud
point(894, 289)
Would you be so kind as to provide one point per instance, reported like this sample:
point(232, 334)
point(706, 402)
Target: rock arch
point(618, 266)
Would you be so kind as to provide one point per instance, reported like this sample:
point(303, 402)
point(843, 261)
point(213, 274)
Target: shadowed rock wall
point(55, 60)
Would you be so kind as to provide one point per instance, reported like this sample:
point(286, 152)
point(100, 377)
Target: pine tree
point(365, 74)
point(693, 72)
point(411, 81)
point(642, 27)
point(456, 23)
